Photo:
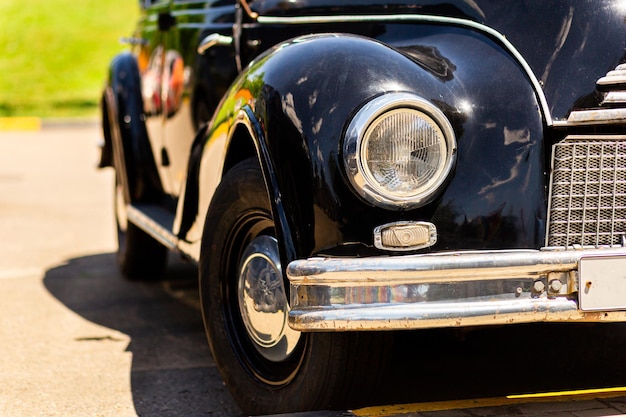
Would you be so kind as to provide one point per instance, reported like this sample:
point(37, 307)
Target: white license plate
point(602, 283)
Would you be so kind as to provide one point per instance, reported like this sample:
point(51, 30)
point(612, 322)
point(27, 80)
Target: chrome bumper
point(441, 290)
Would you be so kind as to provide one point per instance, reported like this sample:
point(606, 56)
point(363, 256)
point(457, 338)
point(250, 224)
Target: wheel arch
point(245, 140)
point(242, 146)
point(126, 143)
point(248, 140)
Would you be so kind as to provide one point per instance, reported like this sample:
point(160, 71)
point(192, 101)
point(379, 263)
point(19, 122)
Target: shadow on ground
point(448, 364)
point(173, 373)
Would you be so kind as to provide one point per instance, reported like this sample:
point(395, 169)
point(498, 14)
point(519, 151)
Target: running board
point(155, 221)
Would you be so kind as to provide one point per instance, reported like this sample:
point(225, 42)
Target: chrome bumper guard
point(442, 290)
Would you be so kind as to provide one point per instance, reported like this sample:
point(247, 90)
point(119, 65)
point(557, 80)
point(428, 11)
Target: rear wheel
point(268, 367)
point(139, 256)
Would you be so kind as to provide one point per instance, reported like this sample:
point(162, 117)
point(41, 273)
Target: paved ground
point(77, 340)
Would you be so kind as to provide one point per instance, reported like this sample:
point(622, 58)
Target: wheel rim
point(263, 300)
point(273, 358)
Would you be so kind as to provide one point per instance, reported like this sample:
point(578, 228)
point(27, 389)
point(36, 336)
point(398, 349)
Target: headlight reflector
point(398, 151)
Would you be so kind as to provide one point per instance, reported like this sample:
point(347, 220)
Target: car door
point(149, 47)
point(192, 84)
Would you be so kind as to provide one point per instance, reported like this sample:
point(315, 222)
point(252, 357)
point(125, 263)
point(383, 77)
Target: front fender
point(297, 100)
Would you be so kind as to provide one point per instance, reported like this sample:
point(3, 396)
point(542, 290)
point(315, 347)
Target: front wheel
point(268, 367)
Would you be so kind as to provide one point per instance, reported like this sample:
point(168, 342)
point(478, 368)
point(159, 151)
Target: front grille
point(588, 192)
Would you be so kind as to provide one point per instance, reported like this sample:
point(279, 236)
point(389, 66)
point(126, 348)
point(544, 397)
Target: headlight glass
point(403, 152)
point(398, 151)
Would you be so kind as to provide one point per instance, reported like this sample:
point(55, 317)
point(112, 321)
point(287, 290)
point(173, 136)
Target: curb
point(28, 124)
point(70, 123)
point(33, 124)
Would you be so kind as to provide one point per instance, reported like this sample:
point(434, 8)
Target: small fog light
point(403, 236)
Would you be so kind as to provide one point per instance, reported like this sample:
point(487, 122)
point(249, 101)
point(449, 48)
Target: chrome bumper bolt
point(539, 286)
point(556, 285)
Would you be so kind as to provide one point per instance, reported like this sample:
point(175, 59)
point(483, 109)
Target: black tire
point(270, 369)
point(139, 256)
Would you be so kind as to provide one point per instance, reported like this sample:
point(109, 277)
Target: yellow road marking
point(576, 395)
point(592, 392)
point(20, 123)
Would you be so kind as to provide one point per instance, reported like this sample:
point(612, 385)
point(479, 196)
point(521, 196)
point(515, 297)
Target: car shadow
point(172, 370)
point(498, 361)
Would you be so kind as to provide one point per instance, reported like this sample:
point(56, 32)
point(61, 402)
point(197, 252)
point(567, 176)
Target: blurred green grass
point(54, 54)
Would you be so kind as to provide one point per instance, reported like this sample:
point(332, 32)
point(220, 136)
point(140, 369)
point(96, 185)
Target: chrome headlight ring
point(398, 151)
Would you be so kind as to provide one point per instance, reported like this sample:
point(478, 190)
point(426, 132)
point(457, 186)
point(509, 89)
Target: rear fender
point(125, 132)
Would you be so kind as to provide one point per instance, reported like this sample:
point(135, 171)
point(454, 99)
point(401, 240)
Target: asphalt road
point(75, 338)
point(78, 340)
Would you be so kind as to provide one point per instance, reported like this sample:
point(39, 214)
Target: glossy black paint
point(298, 100)
point(568, 43)
point(496, 197)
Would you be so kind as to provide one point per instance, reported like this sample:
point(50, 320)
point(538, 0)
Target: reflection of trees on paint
point(254, 84)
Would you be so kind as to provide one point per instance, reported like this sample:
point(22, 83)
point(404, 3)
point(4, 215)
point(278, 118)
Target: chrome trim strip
point(147, 218)
point(191, 25)
point(435, 290)
point(560, 124)
point(615, 97)
point(596, 117)
point(153, 228)
point(424, 19)
point(187, 2)
point(438, 268)
point(613, 84)
point(189, 12)
point(214, 39)
point(424, 316)
point(615, 78)
point(134, 41)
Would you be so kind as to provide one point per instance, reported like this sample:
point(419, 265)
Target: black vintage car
point(342, 169)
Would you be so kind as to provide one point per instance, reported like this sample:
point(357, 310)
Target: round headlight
point(399, 150)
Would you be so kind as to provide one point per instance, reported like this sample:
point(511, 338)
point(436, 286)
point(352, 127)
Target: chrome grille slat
point(587, 192)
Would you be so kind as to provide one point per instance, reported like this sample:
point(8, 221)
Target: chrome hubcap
point(263, 300)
